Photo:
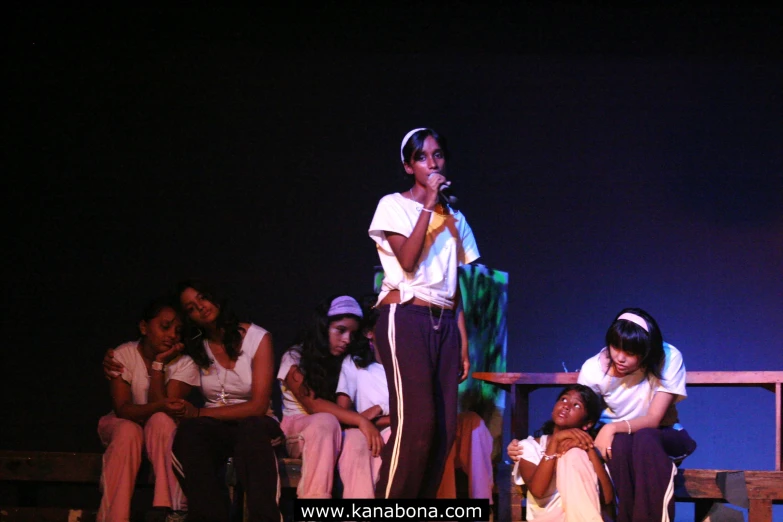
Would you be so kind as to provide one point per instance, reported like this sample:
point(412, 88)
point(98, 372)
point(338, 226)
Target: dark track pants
point(642, 469)
point(201, 448)
point(422, 369)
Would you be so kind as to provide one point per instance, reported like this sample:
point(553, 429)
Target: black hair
point(157, 305)
point(594, 405)
point(633, 339)
point(320, 368)
point(362, 348)
point(227, 323)
point(415, 144)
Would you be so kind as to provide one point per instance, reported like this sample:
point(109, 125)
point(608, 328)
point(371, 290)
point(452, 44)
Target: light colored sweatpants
point(577, 483)
point(471, 452)
point(121, 460)
point(359, 470)
point(316, 440)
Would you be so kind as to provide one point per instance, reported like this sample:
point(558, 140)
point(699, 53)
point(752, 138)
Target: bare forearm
point(410, 251)
point(348, 417)
point(138, 413)
point(157, 389)
point(252, 408)
point(542, 476)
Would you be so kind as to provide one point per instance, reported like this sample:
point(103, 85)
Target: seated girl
point(565, 476)
point(147, 395)
point(311, 419)
point(641, 378)
point(236, 360)
point(362, 387)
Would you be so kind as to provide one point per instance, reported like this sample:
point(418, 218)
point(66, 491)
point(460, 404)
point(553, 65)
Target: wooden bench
point(692, 485)
point(34, 468)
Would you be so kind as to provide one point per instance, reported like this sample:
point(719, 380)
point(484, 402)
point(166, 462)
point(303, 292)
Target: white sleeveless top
point(237, 381)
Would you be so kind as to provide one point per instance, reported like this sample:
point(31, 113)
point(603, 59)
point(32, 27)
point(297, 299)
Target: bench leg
point(502, 484)
point(701, 509)
point(760, 510)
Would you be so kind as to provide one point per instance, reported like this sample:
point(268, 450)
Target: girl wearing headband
point(308, 378)
point(420, 332)
point(641, 378)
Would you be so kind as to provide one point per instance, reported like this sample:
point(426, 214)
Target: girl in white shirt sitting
point(311, 419)
point(236, 361)
point(641, 378)
point(148, 392)
point(559, 465)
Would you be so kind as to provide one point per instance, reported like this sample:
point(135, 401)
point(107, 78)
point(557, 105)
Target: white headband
point(628, 316)
point(405, 140)
point(344, 304)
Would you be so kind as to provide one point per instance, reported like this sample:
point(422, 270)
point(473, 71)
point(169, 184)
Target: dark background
point(604, 157)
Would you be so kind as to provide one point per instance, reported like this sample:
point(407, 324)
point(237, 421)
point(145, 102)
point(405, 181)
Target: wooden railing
point(699, 486)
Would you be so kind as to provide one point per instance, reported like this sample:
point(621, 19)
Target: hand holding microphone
point(445, 194)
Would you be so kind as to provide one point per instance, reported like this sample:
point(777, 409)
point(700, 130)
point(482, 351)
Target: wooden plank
point(702, 483)
point(290, 472)
point(694, 378)
point(27, 514)
point(541, 379)
point(50, 466)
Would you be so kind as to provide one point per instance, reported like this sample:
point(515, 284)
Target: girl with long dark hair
point(308, 374)
point(236, 362)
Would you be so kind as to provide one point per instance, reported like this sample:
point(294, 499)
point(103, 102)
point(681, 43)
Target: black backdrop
point(605, 158)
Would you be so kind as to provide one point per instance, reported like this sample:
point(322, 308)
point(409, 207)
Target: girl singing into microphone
point(420, 331)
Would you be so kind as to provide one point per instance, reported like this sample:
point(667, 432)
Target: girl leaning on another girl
point(640, 378)
point(234, 367)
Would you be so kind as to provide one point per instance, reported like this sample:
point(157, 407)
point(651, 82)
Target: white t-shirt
point(236, 381)
point(291, 405)
point(449, 243)
point(134, 371)
point(533, 451)
point(366, 387)
point(629, 397)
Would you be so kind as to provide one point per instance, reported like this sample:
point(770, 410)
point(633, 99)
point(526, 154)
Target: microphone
point(446, 195)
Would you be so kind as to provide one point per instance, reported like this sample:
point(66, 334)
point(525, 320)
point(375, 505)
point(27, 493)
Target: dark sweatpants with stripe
point(422, 369)
point(642, 469)
point(201, 448)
